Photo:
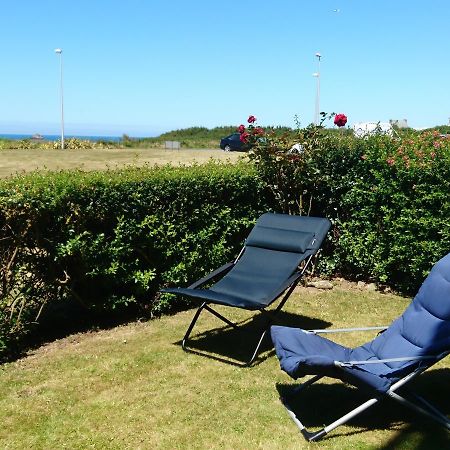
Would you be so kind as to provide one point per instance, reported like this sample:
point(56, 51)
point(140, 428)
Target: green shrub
point(389, 199)
point(112, 239)
point(395, 219)
point(69, 143)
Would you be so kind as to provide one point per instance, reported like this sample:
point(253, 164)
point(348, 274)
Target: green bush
point(389, 199)
point(69, 143)
point(395, 219)
point(112, 239)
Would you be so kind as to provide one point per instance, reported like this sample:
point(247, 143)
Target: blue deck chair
point(414, 342)
point(276, 254)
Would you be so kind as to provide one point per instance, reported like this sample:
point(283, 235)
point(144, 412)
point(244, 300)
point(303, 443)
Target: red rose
point(241, 128)
point(243, 137)
point(251, 119)
point(258, 130)
point(340, 120)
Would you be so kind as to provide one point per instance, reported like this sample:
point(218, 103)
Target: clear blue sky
point(145, 66)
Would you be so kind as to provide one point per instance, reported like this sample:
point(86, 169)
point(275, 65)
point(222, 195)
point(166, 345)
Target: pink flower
point(390, 161)
point(258, 130)
point(251, 119)
point(340, 120)
point(243, 137)
point(241, 128)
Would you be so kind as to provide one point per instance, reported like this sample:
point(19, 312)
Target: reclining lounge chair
point(413, 343)
point(276, 254)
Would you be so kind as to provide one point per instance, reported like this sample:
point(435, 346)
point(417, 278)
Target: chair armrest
point(225, 268)
point(387, 360)
point(346, 330)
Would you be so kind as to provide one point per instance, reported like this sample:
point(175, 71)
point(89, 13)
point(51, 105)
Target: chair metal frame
point(289, 286)
point(421, 405)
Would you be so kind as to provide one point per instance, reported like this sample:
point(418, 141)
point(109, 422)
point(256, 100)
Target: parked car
point(232, 142)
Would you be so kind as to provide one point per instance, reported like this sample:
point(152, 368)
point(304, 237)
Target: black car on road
point(232, 142)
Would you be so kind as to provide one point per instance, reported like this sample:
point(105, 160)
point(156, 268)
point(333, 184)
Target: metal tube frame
point(270, 315)
point(425, 408)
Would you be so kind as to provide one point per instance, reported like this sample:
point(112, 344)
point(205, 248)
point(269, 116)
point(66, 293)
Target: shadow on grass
point(322, 404)
point(236, 346)
point(67, 318)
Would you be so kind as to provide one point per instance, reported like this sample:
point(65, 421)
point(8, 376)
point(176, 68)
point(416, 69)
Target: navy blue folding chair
point(276, 254)
point(410, 345)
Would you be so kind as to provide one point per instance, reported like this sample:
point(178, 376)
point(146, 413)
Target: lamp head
point(58, 50)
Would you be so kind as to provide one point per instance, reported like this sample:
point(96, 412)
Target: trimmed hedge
point(111, 239)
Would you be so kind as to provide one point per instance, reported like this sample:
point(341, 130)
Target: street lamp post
point(317, 75)
point(58, 51)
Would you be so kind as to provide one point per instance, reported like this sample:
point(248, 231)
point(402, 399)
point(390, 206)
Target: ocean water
point(55, 137)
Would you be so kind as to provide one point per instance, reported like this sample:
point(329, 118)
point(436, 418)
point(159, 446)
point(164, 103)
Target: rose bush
point(283, 158)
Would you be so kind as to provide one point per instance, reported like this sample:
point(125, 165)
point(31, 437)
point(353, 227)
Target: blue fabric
point(274, 249)
point(288, 233)
point(302, 353)
point(258, 274)
point(422, 330)
point(216, 297)
point(279, 239)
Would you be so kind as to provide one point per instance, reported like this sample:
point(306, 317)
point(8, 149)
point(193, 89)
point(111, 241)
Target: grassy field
point(132, 387)
point(16, 161)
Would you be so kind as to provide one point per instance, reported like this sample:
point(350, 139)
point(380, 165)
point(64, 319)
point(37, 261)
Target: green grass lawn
point(132, 387)
point(14, 161)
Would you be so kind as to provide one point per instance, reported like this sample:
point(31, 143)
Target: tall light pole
point(58, 51)
point(317, 75)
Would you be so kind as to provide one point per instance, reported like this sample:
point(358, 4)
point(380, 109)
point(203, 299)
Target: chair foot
point(313, 436)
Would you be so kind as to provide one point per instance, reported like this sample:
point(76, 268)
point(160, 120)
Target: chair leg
point(428, 410)
point(219, 316)
point(317, 435)
point(203, 306)
point(191, 325)
point(255, 353)
point(432, 408)
point(271, 316)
